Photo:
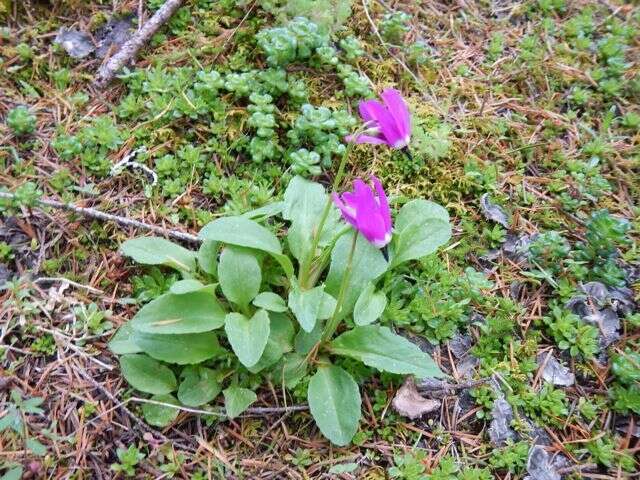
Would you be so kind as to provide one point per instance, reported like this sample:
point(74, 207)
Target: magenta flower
point(367, 212)
point(390, 124)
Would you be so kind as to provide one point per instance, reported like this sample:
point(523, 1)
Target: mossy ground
point(534, 103)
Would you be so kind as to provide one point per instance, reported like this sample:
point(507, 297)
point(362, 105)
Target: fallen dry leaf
point(409, 403)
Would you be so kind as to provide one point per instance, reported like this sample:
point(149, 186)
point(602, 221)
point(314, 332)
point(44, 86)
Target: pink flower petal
point(365, 139)
point(398, 109)
point(385, 211)
point(366, 108)
point(347, 211)
point(386, 122)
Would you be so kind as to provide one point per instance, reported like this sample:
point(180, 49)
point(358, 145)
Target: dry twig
point(130, 49)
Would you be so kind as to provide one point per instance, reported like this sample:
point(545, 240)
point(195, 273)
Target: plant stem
point(334, 321)
point(305, 268)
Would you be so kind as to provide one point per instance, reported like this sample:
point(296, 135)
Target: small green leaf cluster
point(571, 334)
point(295, 41)
point(433, 301)
point(321, 130)
point(604, 452)
point(15, 419)
point(24, 196)
point(625, 392)
point(92, 144)
point(512, 457)
point(394, 26)
point(604, 237)
point(240, 313)
point(128, 459)
point(21, 121)
point(548, 251)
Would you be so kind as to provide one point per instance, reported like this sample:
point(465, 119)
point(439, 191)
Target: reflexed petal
point(366, 109)
point(399, 111)
point(383, 202)
point(386, 122)
point(347, 211)
point(365, 139)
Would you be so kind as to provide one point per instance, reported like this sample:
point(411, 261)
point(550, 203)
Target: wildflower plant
point(285, 304)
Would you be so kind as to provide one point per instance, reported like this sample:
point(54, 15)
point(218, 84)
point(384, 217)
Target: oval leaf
point(237, 400)
point(186, 286)
point(160, 415)
point(183, 349)
point(369, 306)
point(380, 348)
point(334, 401)
point(270, 301)
point(158, 251)
point(306, 306)
point(208, 257)
point(147, 375)
point(421, 227)
point(248, 337)
point(192, 312)
point(368, 264)
point(280, 341)
point(239, 275)
point(199, 386)
point(122, 342)
point(243, 232)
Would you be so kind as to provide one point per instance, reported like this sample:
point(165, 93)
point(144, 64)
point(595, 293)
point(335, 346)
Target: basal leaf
point(192, 312)
point(334, 401)
point(147, 375)
point(158, 251)
point(239, 274)
point(368, 264)
point(369, 306)
point(420, 228)
point(237, 400)
point(248, 336)
point(160, 415)
point(188, 348)
point(380, 348)
point(198, 386)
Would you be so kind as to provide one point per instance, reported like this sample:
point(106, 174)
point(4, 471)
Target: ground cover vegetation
point(277, 341)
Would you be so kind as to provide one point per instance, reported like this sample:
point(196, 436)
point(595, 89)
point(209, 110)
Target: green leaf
point(36, 447)
point(264, 212)
point(243, 232)
point(237, 400)
point(182, 349)
point(368, 264)
point(199, 386)
point(158, 251)
point(304, 202)
point(291, 370)
point(248, 337)
point(147, 375)
point(160, 415)
point(270, 301)
point(380, 348)
point(186, 286)
point(208, 257)
point(334, 401)
point(239, 275)
point(13, 474)
point(192, 312)
point(420, 228)
point(280, 341)
point(305, 341)
point(309, 306)
point(369, 306)
point(122, 342)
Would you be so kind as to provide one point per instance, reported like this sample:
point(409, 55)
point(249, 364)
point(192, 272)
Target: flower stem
point(334, 321)
point(305, 268)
